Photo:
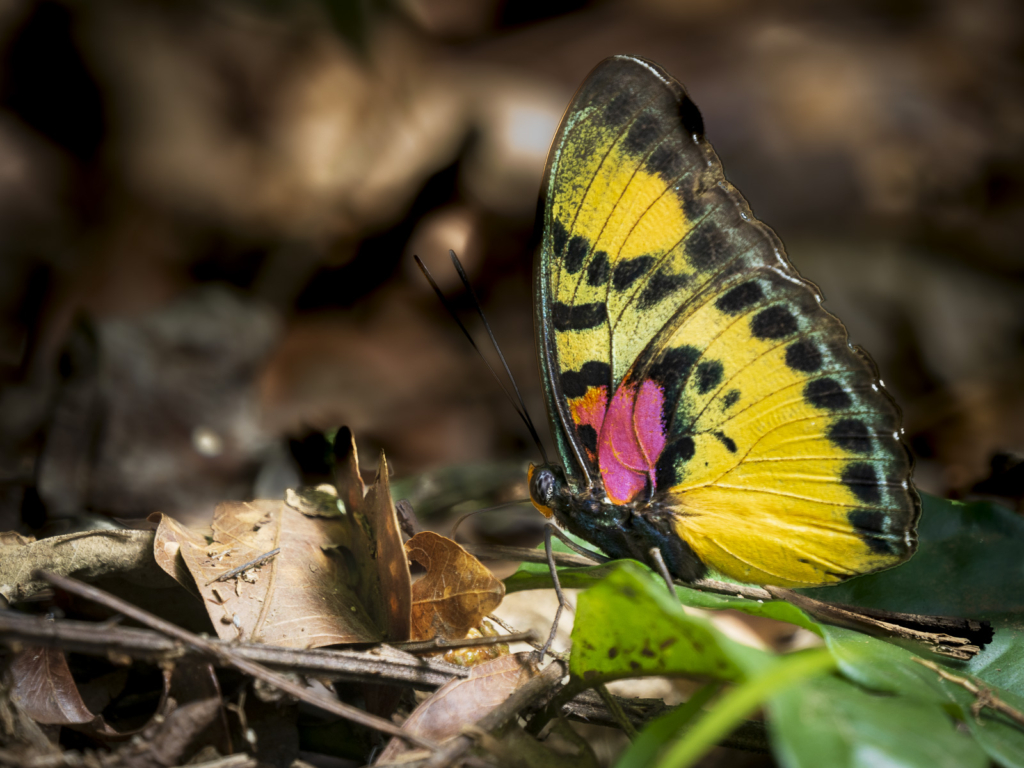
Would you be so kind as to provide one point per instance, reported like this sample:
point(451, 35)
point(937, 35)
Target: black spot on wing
point(862, 480)
point(828, 394)
point(671, 370)
point(851, 435)
point(730, 399)
point(709, 375)
point(576, 254)
point(869, 525)
point(707, 246)
point(558, 238)
point(666, 161)
point(592, 374)
point(804, 356)
point(588, 438)
point(773, 323)
point(644, 132)
point(677, 452)
point(691, 118)
point(578, 317)
point(620, 108)
point(628, 272)
point(728, 442)
point(739, 298)
point(598, 270)
point(700, 195)
point(661, 285)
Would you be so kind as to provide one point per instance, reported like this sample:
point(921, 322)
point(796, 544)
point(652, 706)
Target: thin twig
point(513, 631)
point(244, 567)
point(850, 616)
point(227, 656)
point(440, 644)
point(983, 697)
point(381, 664)
point(732, 590)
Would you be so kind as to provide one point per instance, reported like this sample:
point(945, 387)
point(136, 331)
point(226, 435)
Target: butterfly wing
point(613, 264)
point(782, 457)
point(688, 364)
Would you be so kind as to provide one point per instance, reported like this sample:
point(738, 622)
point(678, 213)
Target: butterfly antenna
point(494, 342)
point(520, 406)
point(503, 505)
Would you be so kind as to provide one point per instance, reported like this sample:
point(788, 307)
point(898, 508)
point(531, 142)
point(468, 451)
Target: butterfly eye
point(544, 487)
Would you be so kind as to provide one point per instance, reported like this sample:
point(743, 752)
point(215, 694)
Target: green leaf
point(538, 576)
point(882, 666)
point(830, 722)
point(773, 679)
point(995, 732)
point(1002, 661)
point(629, 625)
point(529, 577)
point(771, 609)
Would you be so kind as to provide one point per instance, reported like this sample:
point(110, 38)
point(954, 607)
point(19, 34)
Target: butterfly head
point(547, 488)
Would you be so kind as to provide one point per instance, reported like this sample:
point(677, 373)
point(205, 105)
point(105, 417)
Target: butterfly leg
point(549, 552)
point(577, 548)
point(659, 564)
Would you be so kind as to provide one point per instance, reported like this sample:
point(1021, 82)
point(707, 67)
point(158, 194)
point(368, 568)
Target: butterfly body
point(702, 401)
point(620, 530)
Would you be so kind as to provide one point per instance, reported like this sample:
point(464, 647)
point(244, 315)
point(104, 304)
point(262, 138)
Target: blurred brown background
point(208, 211)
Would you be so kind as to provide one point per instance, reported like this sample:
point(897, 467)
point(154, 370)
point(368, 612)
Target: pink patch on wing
point(631, 441)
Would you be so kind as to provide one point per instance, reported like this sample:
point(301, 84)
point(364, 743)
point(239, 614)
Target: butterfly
point(703, 403)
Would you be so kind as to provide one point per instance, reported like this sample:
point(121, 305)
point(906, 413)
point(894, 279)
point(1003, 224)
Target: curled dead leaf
point(42, 686)
point(456, 593)
point(377, 539)
point(87, 555)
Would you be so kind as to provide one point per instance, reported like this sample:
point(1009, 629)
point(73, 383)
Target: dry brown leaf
point(463, 700)
point(456, 593)
point(190, 681)
point(305, 597)
point(44, 689)
point(167, 550)
point(337, 577)
point(377, 541)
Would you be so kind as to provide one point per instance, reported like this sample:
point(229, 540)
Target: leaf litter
point(305, 572)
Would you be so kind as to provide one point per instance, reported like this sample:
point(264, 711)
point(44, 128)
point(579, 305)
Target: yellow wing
point(783, 460)
point(776, 449)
